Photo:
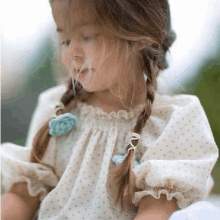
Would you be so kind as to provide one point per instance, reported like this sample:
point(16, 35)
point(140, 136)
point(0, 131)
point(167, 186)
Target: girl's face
point(82, 47)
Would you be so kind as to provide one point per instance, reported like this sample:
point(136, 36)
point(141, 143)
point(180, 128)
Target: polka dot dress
point(176, 155)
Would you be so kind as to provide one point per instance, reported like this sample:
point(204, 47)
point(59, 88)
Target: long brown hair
point(131, 21)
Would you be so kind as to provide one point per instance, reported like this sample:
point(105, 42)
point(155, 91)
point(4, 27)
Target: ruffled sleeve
point(177, 152)
point(15, 159)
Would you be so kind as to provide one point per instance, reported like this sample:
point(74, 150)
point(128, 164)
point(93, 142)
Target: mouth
point(83, 71)
point(83, 74)
point(78, 70)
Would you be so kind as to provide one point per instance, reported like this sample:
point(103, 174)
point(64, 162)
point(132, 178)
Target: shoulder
point(52, 95)
point(178, 109)
point(46, 104)
point(44, 109)
point(176, 121)
point(182, 104)
point(176, 101)
point(174, 115)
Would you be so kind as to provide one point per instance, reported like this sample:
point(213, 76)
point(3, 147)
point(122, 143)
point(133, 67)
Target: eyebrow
point(78, 25)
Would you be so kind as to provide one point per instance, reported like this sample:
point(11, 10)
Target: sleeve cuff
point(34, 188)
point(185, 196)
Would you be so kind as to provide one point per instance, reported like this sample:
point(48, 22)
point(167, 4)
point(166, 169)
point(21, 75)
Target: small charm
point(119, 158)
point(62, 124)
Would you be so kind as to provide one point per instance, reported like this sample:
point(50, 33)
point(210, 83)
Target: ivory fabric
point(176, 155)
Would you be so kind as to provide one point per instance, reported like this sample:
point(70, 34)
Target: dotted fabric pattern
point(176, 155)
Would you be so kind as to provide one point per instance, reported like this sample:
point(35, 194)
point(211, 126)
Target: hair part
point(145, 22)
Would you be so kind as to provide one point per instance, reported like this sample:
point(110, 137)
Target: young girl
point(106, 144)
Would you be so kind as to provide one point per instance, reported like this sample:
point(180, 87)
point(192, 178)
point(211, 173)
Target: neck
point(110, 102)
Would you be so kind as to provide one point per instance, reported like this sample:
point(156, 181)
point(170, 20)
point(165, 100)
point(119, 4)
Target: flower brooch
point(62, 124)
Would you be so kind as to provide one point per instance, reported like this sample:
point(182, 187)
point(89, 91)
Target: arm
point(156, 209)
point(17, 204)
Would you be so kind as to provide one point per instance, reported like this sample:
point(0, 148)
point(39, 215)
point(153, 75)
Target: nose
point(75, 51)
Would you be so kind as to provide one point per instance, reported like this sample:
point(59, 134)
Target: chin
point(89, 87)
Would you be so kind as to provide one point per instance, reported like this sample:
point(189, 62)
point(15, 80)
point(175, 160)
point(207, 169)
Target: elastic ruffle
point(40, 179)
point(34, 188)
point(184, 194)
point(37, 184)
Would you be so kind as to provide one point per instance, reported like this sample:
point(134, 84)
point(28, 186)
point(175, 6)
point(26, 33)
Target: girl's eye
point(88, 38)
point(91, 37)
point(67, 42)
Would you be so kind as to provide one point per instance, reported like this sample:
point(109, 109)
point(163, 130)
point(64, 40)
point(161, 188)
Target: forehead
point(72, 16)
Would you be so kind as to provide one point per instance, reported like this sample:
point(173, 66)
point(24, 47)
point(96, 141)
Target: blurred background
point(27, 68)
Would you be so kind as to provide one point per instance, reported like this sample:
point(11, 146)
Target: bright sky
point(26, 23)
point(26, 20)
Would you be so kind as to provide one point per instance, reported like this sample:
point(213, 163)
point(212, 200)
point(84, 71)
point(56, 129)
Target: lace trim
point(86, 109)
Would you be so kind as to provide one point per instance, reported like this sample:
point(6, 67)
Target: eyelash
point(85, 38)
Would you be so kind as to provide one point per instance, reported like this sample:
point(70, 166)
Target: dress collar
point(89, 110)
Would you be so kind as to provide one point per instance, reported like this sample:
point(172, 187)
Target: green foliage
point(206, 85)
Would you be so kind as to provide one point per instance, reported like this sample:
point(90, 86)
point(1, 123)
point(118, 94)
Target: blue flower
point(62, 124)
point(119, 158)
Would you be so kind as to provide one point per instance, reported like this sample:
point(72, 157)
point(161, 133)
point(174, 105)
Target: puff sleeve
point(15, 159)
point(177, 152)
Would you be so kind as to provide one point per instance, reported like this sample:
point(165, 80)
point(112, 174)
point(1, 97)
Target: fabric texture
point(176, 155)
point(201, 210)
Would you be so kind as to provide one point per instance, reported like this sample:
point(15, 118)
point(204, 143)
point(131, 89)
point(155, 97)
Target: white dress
point(176, 147)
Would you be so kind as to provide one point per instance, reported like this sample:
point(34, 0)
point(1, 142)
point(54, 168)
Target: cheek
point(65, 59)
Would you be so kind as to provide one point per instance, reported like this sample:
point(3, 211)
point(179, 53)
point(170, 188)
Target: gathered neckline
point(86, 109)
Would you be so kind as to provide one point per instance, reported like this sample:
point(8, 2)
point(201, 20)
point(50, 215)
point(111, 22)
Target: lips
point(77, 70)
point(83, 71)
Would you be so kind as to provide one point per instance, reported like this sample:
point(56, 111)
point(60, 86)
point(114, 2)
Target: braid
point(41, 139)
point(68, 96)
point(123, 173)
point(141, 21)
